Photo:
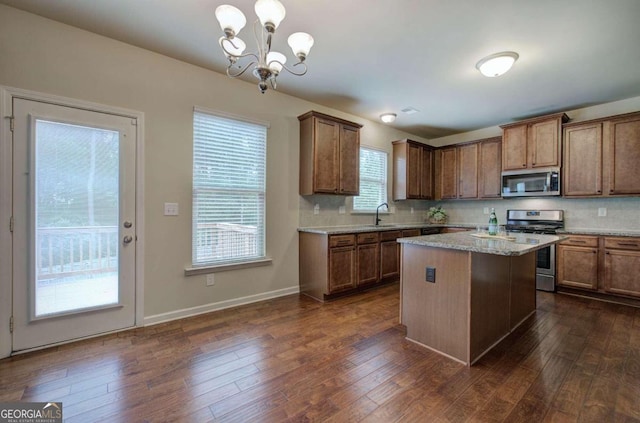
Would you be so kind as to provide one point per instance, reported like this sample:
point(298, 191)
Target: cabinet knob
point(524, 165)
point(595, 251)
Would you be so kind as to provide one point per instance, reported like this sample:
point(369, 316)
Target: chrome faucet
point(378, 209)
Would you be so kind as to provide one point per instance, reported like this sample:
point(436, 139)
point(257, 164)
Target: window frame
point(384, 183)
point(260, 259)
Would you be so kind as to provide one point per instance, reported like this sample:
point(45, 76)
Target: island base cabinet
point(476, 300)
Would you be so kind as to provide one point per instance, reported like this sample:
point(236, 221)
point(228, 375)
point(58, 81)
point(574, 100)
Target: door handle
point(127, 239)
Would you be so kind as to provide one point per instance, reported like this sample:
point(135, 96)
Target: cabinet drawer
point(368, 238)
point(622, 243)
point(341, 240)
point(410, 232)
point(581, 241)
point(390, 235)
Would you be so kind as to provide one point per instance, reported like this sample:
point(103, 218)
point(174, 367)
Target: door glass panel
point(74, 262)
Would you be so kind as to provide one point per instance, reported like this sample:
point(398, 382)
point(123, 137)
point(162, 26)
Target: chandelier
point(267, 64)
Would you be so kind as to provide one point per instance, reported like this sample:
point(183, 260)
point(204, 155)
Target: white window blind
point(373, 180)
point(229, 173)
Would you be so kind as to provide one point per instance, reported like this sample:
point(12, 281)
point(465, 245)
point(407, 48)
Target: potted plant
point(437, 215)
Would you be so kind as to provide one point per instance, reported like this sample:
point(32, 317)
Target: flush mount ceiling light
point(388, 117)
point(267, 64)
point(497, 64)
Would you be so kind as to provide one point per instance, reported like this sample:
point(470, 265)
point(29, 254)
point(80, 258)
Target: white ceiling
point(376, 56)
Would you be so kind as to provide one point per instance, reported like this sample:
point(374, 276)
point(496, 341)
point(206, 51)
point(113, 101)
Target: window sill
point(203, 270)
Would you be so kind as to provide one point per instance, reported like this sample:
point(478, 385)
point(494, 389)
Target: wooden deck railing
point(62, 252)
point(222, 241)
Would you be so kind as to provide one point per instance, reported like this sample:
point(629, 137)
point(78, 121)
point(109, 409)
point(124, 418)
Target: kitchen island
point(461, 295)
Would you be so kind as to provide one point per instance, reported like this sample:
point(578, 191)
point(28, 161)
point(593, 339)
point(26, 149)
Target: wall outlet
point(170, 209)
point(411, 210)
point(430, 274)
point(392, 209)
point(602, 212)
point(485, 210)
point(211, 280)
point(316, 209)
point(341, 210)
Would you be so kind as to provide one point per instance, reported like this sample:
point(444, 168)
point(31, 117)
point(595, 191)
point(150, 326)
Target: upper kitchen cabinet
point(601, 157)
point(489, 166)
point(329, 155)
point(532, 143)
point(622, 154)
point(412, 170)
point(470, 170)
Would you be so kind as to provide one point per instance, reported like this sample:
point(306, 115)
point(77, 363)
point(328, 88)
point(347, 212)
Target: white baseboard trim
point(208, 308)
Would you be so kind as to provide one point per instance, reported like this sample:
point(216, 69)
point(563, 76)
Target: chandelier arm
point(304, 71)
point(243, 70)
point(230, 54)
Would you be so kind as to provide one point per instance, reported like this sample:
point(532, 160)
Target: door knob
point(127, 224)
point(127, 239)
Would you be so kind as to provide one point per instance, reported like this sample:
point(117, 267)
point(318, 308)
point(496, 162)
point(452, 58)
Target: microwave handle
point(548, 188)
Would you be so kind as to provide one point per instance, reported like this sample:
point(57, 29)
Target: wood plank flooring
point(292, 359)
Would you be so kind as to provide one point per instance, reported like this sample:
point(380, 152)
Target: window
point(229, 160)
point(373, 180)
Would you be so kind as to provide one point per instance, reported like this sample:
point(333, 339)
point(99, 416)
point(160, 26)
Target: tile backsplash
point(621, 213)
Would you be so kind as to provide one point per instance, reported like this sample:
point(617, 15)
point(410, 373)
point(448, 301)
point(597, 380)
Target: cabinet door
point(342, 266)
point(349, 176)
point(468, 171)
point(325, 158)
point(582, 162)
point(514, 148)
point(414, 158)
point(622, 272)
point(490, 165)
point(544, 147)
point(624, 156)
point(578, 267)
point(448, 173)
point(368, 263)
point(426, 174)
point(389, 260)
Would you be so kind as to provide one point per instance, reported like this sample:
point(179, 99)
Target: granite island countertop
point(464, 241)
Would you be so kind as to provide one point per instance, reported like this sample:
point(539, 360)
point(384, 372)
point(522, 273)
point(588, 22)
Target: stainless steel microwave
point(531, 182)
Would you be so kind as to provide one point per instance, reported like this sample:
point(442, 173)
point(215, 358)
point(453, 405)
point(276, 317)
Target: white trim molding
point(221, 305)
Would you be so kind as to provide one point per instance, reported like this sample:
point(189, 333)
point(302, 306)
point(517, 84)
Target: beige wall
point(45, 56)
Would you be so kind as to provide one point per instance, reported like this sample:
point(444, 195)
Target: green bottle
point(493, 222)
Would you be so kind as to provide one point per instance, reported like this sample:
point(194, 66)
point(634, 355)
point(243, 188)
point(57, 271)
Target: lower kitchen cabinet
point(607, 265)
point(622, 266)
point(368, 254)
point(332, 265)
point(390, 255)
point(342, 262)
point(578, 262)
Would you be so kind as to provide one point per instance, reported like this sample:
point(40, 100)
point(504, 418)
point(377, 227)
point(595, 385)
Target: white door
point(74, 232)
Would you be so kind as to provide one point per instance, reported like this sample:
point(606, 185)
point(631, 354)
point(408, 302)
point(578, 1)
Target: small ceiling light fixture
point(388, 117)
point(267, 63)
point(497, 64)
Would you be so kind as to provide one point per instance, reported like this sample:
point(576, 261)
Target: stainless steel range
point(539, 222)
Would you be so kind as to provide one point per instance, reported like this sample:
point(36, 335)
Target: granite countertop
point(600, 232)
point(336, 230)
point(464, 241)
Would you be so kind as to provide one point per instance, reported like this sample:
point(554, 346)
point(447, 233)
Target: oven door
point(546, 269)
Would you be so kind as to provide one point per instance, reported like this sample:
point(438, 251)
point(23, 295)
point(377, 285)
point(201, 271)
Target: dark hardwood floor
point(292, 359)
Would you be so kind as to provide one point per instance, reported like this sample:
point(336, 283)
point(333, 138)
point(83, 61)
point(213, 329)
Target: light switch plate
point(341, 210)
point(170, 209)
point(486, 210)
point(211, 279)
point(602, 212)
point(316, 209)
